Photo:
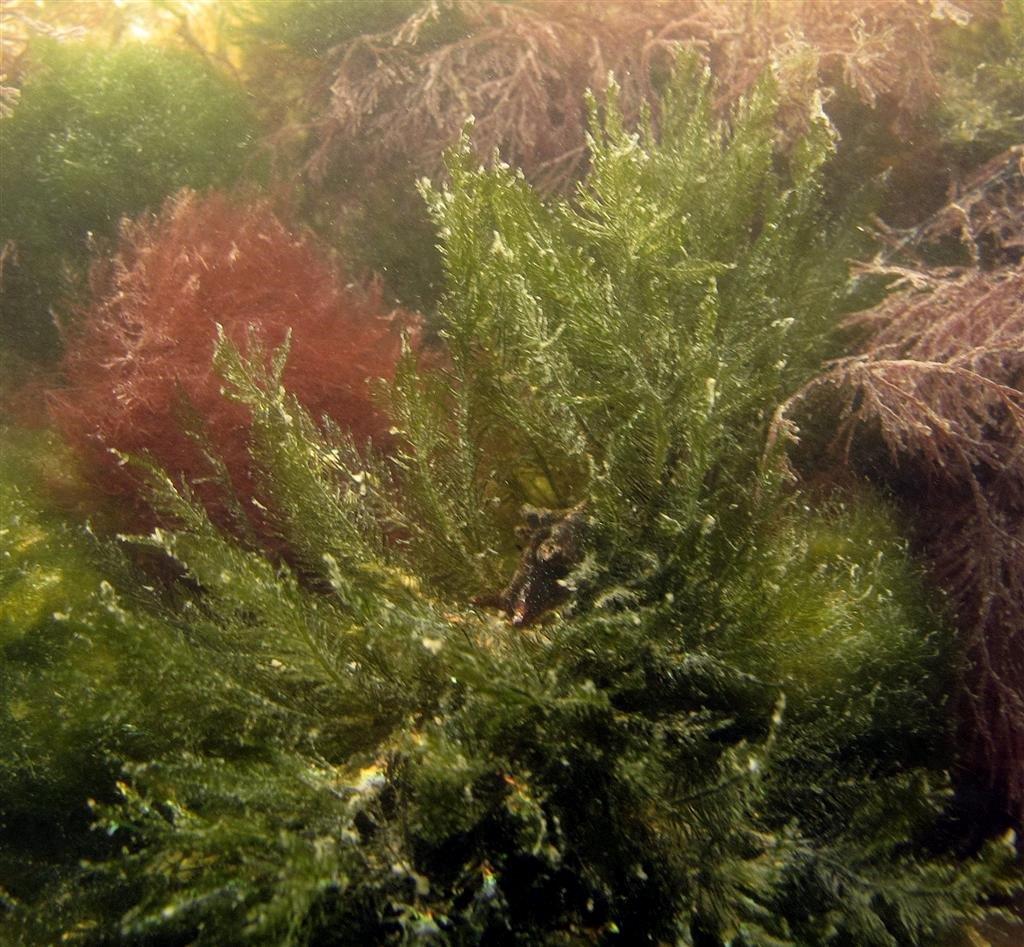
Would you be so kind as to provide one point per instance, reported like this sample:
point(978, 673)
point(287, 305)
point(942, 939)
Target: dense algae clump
point(726, 734)
point(98, 134)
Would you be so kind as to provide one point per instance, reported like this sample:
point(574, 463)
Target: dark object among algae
point(552, 543)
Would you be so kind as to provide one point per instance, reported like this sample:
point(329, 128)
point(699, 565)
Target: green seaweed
point(981, 109)
point(726, 735)
point(99, 134)
point(312, 28)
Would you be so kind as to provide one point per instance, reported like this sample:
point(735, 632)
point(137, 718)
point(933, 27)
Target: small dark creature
point(552, 543)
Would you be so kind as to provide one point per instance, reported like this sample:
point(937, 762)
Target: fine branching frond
point(938, 385)
point(982, 224)
point(137, 375)
point(708, 712)
point(521, 68)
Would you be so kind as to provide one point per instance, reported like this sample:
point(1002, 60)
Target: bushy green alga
point(100, 133)
point(724, 723)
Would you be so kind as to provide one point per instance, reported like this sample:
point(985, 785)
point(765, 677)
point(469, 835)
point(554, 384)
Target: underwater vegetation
point(137, 371)
point(936, 390)
point(930, 406)
point(659, 581)
point(388, 86)
point(521, 68)
point(981, 105)
point(727, 733)
point(98, 134)
point(58, 660)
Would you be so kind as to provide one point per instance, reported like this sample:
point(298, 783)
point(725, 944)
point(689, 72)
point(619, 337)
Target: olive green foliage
point(372, 210)
point(98, 134)
point(982, 107)
point(627, 347)
point(312, 27)
point(730, 735)
point(66, 647)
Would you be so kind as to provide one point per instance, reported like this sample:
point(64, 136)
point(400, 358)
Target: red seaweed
point(933, 407)
point(138, 370)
